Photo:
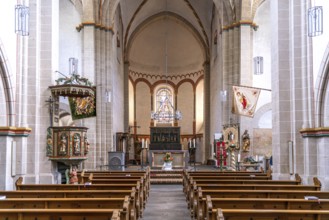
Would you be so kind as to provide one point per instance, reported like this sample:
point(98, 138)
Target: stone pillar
point(89, 71)
point(291, 86)
point(6, 162)
point(126, 93)
point(207, 140)
point(13, 157)
point(246, 76)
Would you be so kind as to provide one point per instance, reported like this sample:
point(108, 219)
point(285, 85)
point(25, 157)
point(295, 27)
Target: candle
point(143, 143)
point(239, 157)
point(194, 143)
point(190, 144)
point(256, 157)
point(146, 144)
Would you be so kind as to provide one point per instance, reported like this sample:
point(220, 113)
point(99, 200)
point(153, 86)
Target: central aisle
point(166, 202)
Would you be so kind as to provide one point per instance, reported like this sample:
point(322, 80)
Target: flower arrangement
point(168, 158)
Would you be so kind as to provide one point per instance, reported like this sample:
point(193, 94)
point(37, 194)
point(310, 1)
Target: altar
point(180, 158)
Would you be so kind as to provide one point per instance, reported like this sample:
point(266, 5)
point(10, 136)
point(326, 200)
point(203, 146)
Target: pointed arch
point(7, 87)
point(322, 91)
point(178, 18)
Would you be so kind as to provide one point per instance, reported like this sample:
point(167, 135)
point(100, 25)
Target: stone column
point(245, 69)
point(291, 86)
point(89, 71)
point(207, 140)
point(126, 93)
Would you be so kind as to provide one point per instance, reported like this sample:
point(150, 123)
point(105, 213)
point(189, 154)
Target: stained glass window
point(164, 105)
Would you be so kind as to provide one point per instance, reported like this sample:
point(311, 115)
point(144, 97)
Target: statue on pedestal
point(245, 141)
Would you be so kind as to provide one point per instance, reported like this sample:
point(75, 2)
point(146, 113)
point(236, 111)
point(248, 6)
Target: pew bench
point(232, 180)
point(119, 181)
point(127, 211)
point(61, 187)
point(225, 174)
point(233, 184)
point(60, 214)
point(122, 180)
point(267, 214)
point(210, 203)
point(252, 194)
point(86, 173)
point(193, 194)
point(145, 180)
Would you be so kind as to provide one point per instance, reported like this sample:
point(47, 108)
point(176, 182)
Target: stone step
point(166, 176)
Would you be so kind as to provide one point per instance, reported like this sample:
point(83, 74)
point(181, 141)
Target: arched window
point(163, 105)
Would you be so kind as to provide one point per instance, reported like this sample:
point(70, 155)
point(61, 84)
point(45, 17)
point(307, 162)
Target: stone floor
point(166, 202)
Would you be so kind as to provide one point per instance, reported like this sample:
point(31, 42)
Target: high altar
point(166, 139)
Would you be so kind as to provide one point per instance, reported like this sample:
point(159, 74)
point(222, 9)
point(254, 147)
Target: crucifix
point(50, 101)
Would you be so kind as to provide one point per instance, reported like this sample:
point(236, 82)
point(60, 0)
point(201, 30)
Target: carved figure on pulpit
point(63, 144)
point(87, 145)
point(76, 143)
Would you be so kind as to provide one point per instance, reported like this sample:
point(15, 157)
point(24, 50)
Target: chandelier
point(165, 110)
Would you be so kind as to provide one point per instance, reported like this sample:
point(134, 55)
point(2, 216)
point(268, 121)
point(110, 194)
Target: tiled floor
point(166, 202)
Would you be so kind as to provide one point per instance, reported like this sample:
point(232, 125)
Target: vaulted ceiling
point(166, 36)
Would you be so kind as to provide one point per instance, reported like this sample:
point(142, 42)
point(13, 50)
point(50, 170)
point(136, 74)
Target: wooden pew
point(132, 180)
point(193, 198)
point(233, 187)
point(121, 180)
point(86, 173)
point(192, 188)
point(232, 179)
point(127, 212)
point(260, 203)
point(74, 194)
point(225, 174)
point(144, 176)
point(243, 194)
point(39, 187)
point(268, 214)
point(293, 194)
point(187, 174)
point(63, 214)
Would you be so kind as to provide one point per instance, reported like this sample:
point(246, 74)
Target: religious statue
point(245, 141)
point(76, 143)
point(74, 176)
point(231, 139)
point(87, 145)
point(63, 144)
